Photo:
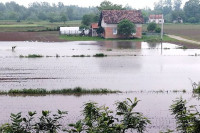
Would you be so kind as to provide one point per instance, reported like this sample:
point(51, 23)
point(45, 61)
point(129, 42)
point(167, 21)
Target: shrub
point(99, 119)
point(96, 119)
point(99, 55)
point(192, 20)
point(126, 28)
point(187, 118)
point(100, 30)
point(28, 124)
point(83, 27)
point(158, 30)
point(151, 27)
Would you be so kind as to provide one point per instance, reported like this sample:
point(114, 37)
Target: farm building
point(72, 31)
point(109, 20)
point(158, 19)
point(94, 27)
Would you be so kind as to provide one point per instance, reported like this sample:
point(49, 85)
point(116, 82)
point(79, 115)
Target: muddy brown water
point(128, 67)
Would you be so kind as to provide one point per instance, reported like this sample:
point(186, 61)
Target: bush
point(125, 28)
point(158, 30)
point(192, 20)
point(151, 27)
point(83, 27)
point(187, 118)
point(100, 30)
point(99, 55)
point(99, 119)
point(96, 119)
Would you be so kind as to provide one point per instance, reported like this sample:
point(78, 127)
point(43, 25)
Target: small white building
point(69, 30)
point(158, 19)
point(72, 31)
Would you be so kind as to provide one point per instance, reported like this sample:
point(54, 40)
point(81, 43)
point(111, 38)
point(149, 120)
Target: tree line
point(43, 11)
point(174, 10)
point(171, 9)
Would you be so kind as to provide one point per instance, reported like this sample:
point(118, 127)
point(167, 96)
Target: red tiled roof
point(94, 26)
point(115, 16)
point(155, 16)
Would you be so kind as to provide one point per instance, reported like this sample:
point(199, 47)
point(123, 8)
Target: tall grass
point(31, 56)
point(41, 91)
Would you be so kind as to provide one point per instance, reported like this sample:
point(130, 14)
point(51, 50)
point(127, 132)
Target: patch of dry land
point(47, 36)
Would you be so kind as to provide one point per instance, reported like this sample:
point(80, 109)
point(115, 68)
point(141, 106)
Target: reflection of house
point(94, 27)
point(158, 19)
point(120, 44)
point(110, 18)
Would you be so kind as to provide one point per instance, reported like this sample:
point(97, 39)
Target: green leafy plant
point(126, 28)
point(100, 119)
point(151, 27)
point(29, 124)
point(187, 118)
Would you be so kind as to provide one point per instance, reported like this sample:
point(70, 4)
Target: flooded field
point(128, 67)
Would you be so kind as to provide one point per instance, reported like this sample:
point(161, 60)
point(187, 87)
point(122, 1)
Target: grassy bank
point(35, 26)
point(40, 91)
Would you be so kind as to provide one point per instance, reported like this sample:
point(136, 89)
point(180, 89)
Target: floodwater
point(135, 66)
point(129, 66)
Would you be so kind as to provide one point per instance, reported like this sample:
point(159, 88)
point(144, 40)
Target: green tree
point(125, 28)
point(107, 5)
point(64, 17)
point(88, 19)
point(151, 27)
point(177, 5)
point(192, 10)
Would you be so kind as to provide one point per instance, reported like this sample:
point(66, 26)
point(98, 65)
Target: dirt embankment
point(52, 36)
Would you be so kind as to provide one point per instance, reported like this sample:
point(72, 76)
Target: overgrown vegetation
point(31, 56)
point(30, 124)
point(81, 55)
point(187, 118)
point(99, 55)
point(40, 91)
point(96, 119)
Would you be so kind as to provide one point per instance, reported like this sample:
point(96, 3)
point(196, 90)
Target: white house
point(158, 19)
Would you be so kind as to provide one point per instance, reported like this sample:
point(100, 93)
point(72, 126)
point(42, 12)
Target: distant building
point(94, 27)
point(158, 19)
point(110, 18)
point(178, 20)
point(72, 31)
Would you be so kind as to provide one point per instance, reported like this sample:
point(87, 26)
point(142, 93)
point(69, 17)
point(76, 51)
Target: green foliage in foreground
point(96, 119)
point(187, 118)
point(77, 90)
point(196, 88)
point(29, 124)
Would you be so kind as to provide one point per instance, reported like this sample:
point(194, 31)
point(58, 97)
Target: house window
point(114, 31)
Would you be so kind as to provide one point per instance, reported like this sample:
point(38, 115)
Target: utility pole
point(162, 28)
point(162, 33)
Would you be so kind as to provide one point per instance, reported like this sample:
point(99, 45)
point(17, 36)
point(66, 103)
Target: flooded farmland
point(129, 66)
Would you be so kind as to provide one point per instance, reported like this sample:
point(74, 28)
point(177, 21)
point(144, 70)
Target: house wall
point(108, 30)
point(157, 21)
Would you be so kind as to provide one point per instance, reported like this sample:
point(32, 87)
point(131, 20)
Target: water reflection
point(120, 44)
